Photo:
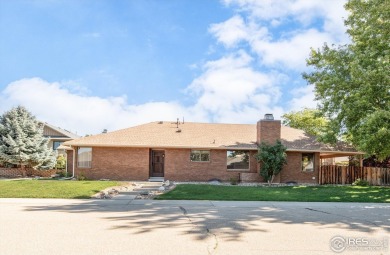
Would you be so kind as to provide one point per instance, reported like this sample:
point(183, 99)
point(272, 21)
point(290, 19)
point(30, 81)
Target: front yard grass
point(287, 193)
point(52, 188)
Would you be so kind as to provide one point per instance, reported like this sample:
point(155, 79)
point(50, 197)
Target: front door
point(157, 163)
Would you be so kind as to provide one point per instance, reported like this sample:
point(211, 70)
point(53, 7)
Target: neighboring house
point(57, 136)
point(198, 152)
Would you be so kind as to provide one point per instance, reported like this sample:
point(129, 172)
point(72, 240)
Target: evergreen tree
point(22, 142)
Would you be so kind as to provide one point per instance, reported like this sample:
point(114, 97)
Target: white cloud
point(55, 104)
point(303, 97)
point(303, 11)
point(289, 49)
point(235, 30)
point(230, 90)
point(279, 34)
point(291, 52)
point(229, 32)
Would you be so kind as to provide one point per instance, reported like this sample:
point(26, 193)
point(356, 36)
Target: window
point(307, 162)
point(200, 156)
point(237, 160)
point(84, 157)
point(56, 144)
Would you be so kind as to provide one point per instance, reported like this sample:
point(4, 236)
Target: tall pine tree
point(22, 142)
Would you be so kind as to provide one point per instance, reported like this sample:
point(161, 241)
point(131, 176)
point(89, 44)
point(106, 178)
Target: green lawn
point(52, 188)
point(288, 193)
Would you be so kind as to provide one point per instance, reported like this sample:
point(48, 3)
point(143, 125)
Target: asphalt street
point(61, 226)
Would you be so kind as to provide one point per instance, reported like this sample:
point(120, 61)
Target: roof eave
point(159, 146)
point(206, 147)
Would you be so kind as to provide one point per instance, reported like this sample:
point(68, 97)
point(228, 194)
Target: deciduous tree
point(309, 120)
point(352, 81)
point(272, 159)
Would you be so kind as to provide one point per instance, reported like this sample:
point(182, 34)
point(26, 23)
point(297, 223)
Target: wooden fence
point(332, 174)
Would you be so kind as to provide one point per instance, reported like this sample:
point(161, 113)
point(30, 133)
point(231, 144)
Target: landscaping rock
point(144, 193)
point(215, 183)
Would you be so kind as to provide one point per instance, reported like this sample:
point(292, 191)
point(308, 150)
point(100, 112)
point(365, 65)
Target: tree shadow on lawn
point(230, 220)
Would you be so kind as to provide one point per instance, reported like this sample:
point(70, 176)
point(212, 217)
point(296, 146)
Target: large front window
point(84, 157)
point(237, 160)
point(200, 155)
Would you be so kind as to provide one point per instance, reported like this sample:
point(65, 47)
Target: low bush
point(360, 182)
point(233, 181)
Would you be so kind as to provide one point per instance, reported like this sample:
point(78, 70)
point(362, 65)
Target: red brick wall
point(178, 166)
point(133, 164)
point(268, 131)
point(117, 164)
point(69, 160)
point(293, 170)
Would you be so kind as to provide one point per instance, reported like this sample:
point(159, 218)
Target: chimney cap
point(268, 116)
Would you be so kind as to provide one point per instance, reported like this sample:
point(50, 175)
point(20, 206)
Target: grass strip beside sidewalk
point(52, 188)
point(288, 193)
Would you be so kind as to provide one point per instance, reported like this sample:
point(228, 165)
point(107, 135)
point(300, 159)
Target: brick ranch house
point(197, 152)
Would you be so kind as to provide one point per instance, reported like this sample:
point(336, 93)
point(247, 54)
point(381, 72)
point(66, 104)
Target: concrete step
point(126, 197)
point(153, 186)
point(129, 193)
point(156, 179)
point(145, 189)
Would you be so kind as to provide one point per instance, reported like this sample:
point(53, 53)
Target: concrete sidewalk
point(118, 201)
point(67, 226)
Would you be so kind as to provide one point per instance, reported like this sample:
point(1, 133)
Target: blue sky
point(89, 65)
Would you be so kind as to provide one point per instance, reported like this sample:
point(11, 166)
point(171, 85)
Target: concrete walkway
point(127, 226)
point(134, 190)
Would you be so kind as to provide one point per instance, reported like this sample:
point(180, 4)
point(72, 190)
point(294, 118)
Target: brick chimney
point(268, 129)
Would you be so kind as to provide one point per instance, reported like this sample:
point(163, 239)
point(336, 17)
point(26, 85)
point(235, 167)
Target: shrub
point(64, 174)
point(233, 181)
point(360, 182)
point(61, 162)
point(81, 177)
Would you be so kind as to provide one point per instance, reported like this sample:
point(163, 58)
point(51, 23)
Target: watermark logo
point(339, 244)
